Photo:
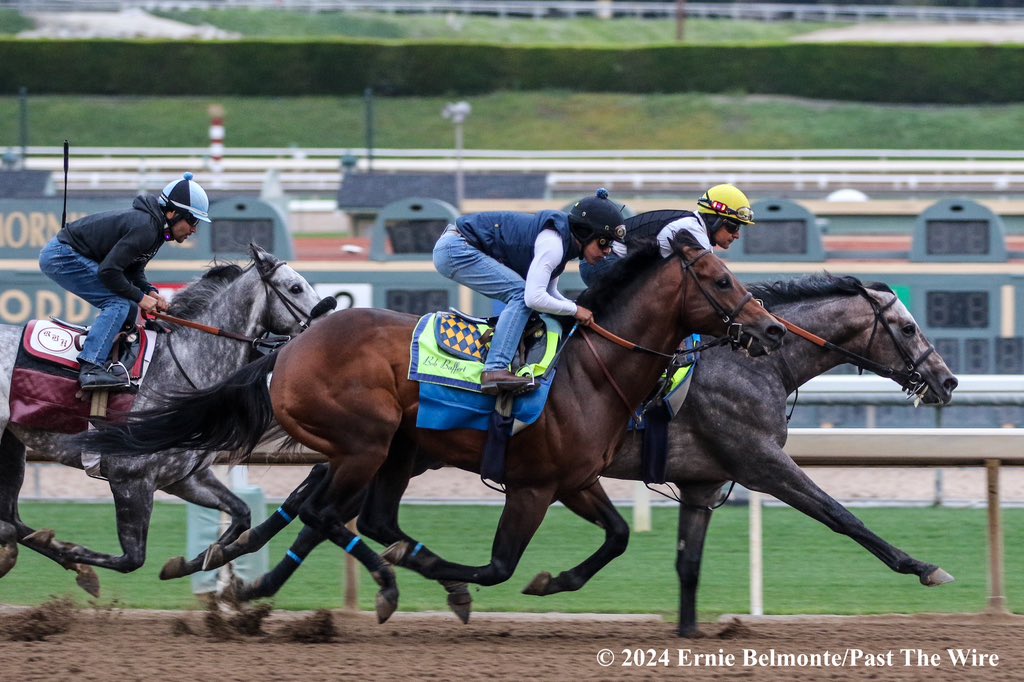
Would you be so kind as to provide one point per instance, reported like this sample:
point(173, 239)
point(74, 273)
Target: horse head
point(292, 303)
point(730, 309)
point(916, 366)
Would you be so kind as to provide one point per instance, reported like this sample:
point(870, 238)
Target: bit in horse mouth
point(917, 393)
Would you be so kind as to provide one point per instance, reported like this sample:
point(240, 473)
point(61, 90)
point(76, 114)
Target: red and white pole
point(216, 142)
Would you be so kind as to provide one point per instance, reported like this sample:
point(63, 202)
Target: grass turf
point(808, 569)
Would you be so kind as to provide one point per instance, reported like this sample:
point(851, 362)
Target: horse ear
point(265, 261)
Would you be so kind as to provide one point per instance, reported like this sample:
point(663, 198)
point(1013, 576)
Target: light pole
point(457, 113)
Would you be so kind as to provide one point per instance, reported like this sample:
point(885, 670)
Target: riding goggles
point(190, 219)
point(730, 226)
point(744, 213)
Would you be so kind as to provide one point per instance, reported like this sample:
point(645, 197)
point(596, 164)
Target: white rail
point(637, 171)
point(547, 9)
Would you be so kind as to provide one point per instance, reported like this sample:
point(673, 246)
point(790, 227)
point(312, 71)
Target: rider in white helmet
point(102, 258)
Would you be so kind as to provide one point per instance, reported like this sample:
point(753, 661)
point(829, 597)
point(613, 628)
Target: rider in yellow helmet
point(721, 212)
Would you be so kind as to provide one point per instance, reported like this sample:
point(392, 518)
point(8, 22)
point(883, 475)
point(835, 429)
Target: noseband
point(909, 378)
point(296, 312)
point(735, 329)
point(265, 344)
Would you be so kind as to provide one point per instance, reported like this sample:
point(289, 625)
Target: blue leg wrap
point(416, 549)
point(284, 515)
point(352, 545)
point(294, 557)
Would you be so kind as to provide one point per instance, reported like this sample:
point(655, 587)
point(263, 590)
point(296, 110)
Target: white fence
point(318, 170)
point(544, 9)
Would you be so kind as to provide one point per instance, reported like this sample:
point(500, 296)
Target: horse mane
point(622, 274)
point(817, 285)
point(614, 288)
point(198, 296)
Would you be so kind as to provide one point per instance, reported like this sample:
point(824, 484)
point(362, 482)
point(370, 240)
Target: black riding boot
point(94, 377)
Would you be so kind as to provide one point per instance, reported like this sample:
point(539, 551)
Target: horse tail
point(232, 415)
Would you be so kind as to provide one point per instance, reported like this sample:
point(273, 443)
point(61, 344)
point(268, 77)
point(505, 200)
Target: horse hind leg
point(8, 548)
point(335, 501)
point(268, 584)
point(593, 505)
point(378, 520)
point(524, 511)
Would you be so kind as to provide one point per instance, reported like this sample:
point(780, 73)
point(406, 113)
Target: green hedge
point(954, 74)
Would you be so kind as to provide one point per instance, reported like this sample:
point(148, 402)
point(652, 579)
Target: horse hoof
point(214, 558)
point(8, 557)
point(87, 579)
point(174, 568)
point(396, 553)
point(39, 538)
point(387, 604)
point(539, 585)
point(460, 601)
point(936, 578)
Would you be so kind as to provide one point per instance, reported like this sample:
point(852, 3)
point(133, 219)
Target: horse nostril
point(950, 384)
point(776, 330)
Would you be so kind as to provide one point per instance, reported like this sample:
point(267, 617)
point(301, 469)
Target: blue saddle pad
point(445, 407)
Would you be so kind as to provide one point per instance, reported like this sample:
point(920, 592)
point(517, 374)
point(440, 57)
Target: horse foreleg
point(205, 490)
point(694, 518)
point(787, 482)
point(593, 505)
point(253, 539)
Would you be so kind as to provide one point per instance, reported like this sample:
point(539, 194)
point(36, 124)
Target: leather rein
point(267, 343)
point(734, 334)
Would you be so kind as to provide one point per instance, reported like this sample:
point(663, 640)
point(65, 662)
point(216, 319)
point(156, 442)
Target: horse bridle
point(296, 312)
point(266, 343)
point(733, 335)
point(909, 378)
point(734, 332)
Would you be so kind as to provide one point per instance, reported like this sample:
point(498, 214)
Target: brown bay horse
point(342, 389)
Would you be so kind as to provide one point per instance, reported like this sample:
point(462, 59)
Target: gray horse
point(732, 427)
point(267, 297)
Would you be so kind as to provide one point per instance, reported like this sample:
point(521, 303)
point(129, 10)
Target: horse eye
point(295, 288)
point(908, 329)
point(724, 283)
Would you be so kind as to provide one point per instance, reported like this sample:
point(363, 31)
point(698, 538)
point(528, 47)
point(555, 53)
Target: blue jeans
point(80, 276)
point(457, 260)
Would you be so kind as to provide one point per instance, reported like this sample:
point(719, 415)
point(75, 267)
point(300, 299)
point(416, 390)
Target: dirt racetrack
point(111, 644)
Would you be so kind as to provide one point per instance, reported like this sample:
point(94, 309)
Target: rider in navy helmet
point(102, 258)
point(517, 258)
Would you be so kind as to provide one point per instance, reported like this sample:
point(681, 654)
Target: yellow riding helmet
point(727, 201)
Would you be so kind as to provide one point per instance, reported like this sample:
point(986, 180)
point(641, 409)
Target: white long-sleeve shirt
point(541, 293)
point(693, 224)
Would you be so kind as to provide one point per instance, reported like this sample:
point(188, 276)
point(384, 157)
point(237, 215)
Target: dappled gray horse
point(732, 427)
point(266, 297)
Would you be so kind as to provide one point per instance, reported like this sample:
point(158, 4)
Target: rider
point(102, 258)
point(721, 211)
point(517, 258)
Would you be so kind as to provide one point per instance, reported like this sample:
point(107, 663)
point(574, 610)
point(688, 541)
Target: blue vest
point(509, 237)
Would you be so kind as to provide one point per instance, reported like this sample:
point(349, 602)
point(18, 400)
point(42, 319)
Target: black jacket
point(122, 242)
